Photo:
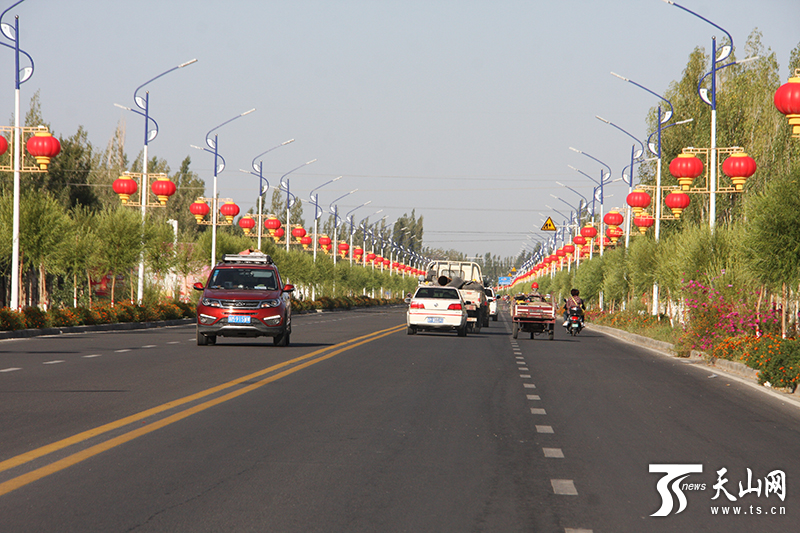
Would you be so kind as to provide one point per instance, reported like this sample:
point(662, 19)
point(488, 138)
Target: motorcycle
point(574, 323)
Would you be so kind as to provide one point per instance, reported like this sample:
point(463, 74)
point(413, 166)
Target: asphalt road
point(359, 427)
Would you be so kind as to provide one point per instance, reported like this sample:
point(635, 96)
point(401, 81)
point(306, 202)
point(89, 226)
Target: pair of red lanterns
point(125, 186)
point(41, 145)
point(200, 209)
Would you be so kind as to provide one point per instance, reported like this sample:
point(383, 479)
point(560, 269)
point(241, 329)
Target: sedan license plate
point(238, 319)
point(434, 320)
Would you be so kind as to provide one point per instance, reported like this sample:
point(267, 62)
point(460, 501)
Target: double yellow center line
point(291, 366)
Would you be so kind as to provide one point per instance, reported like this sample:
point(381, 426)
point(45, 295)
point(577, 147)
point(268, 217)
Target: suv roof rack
point(252, 258)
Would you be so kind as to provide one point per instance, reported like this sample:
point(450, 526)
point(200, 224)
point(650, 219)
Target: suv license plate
point(434, 320)
point(238, 319)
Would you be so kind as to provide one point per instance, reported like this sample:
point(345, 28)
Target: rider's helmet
point(534, 285)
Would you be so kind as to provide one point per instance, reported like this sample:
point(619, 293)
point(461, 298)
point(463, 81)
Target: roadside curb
point(119, 326)
point(738, 371)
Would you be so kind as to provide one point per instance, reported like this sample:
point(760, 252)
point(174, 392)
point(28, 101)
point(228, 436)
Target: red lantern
point(280, 232)
point(358, 252)
point(787, 100)
point(370, 257)
point(325, 242)
point(272, 223)
point(298, 232)
point(561, 253)
point(613, 218)
point(163, 188)
point(43, 146)
point(199, 210)
point(343, 249)
point(686, 167)
point(589, 232)
point(614, 233)
point(580, 240)
point(738, 167)
point(125, 186)
point(638, 200)
point(247, 224)
point(386, 262)
point(643, 222)
point(378, 260)
point(306, 242)
point(3, 145)
point(229, 210)
point(677, 202)
point(569, 249)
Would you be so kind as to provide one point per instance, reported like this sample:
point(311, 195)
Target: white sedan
point(437, 308)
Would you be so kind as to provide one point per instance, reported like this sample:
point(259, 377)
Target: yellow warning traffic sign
point(549, 226)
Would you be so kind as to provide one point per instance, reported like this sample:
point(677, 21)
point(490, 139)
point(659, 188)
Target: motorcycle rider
point(573, 301)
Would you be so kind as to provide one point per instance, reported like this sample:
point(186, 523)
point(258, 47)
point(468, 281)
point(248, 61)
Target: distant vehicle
point(491, 299)
point(533, 313)
point(244, 297)
point(574, 323)
point(467, 278)
point(435, 308)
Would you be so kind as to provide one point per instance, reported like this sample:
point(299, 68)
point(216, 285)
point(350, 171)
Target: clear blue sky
point(464, 110)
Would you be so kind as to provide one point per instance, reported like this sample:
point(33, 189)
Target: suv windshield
point(244, 278)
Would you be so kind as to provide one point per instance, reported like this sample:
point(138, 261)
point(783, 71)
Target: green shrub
point(11, 320)
point(169, 310)
point(35, 318)
point(64, 317)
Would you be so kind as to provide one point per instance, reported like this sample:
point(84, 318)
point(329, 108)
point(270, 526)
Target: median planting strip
point(296, 365)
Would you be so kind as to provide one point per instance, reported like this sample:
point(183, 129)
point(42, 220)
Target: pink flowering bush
point(713, 316)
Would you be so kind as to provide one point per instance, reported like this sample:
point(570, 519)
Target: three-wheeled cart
point(534, 314)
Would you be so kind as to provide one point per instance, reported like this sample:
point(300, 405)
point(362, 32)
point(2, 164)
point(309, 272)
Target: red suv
point(244, 297)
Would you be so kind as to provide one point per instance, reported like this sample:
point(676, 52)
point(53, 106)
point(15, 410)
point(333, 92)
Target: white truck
point(468, 279)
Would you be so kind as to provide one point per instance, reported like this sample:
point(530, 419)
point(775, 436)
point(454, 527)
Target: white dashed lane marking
point(92, 356)
point(529, 385)
point(122, 351)
point(10, 369)
point(554, 453)
point(53, 362)
point(538, 411)
point(533, 397)
point(525, 376)
point(544, 429)
point(564, 487)
point(149, 346)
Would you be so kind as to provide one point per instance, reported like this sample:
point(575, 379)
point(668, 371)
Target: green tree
point(771, 239)
point(121, 239)
point(67, 178)
point(75, 254)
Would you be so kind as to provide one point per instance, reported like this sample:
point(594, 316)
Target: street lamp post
point(661, 121)
point(143, 103)
point(334, 210)
point(636, 156)
point(725, 51)
point(259, 173)
point(604, 180)
point(352, 226)
point(318, 210)
point(219, 166)
point(285, 186)
point(20, 76)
